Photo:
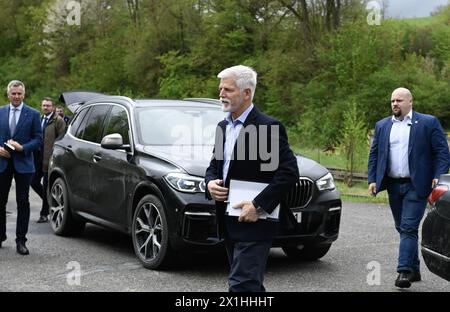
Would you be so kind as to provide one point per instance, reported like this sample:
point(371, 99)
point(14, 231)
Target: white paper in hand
point(243, 190)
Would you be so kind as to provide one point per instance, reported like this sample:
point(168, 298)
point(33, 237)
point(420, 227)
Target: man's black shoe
point(402, 280)
point(22, 249)
point(42, 219)
point(414, 277)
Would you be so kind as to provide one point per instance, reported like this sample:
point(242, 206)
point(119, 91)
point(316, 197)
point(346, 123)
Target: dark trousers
point(407, 209)
point(36, 184)
point(41, 187)
point(23, 204)
point(247, 265)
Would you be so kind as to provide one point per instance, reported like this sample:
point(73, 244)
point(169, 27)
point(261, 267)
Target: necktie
point(12, 124)
point(44, 122)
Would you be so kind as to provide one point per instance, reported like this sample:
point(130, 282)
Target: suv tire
point(150, 233)
point(61, 219)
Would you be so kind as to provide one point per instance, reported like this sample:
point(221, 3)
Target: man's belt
point(399, 180)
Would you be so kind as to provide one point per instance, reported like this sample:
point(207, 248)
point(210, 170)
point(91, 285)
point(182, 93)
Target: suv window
point(177, 125)
point(94, 125)
point(118, 123)
point(77, 122)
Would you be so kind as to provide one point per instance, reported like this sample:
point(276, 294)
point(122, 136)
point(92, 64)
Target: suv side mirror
point(112, 141)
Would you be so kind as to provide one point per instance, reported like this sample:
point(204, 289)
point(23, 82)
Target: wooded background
point(323, 70)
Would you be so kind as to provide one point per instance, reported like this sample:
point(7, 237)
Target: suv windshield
point(177, 125)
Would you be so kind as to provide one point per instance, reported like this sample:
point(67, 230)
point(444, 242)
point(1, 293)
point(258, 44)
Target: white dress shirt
point(232, 132)
point(398, 147)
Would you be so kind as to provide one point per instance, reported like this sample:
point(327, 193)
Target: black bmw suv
point(138, 166)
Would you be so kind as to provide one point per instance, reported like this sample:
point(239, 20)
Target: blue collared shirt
point(398, 147)
point(18, 111)
point(231, 135)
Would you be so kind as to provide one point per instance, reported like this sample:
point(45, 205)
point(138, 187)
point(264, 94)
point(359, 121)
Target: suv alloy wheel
point(150, 233)
point(61, 219)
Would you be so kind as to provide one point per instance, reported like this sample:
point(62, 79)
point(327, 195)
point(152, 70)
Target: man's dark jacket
point(280, 180)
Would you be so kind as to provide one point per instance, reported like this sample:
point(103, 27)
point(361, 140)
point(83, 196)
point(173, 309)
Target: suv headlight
point(186, 183)
point(326, 183)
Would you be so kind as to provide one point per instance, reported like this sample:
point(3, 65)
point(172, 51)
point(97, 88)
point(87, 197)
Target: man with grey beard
point(242, 140)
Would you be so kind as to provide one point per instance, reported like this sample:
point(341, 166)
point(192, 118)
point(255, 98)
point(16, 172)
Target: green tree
point(353, 140)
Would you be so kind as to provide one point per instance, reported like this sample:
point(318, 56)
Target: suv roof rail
point(204, 100)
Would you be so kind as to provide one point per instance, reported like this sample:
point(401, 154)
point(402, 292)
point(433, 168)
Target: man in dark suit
point(239, 154)
point(409, 152)
point(20, 128)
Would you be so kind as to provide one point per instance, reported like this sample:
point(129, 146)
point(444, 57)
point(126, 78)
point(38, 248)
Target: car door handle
point(97, 158)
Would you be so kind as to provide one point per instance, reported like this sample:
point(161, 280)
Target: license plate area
point(298, 216)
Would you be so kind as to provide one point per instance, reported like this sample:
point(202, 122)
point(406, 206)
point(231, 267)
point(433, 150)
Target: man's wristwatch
point(259, 209)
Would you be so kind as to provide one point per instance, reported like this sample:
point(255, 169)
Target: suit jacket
point(53, 131)
point(428, 153)
point(28, 133)
point(279, 180)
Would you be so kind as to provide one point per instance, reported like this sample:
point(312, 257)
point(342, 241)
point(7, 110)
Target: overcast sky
point(412, 8)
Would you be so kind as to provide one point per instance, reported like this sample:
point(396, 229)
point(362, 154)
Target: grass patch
point(356, 193)
point(329, 159)
point(359, 193)
point(424, 21)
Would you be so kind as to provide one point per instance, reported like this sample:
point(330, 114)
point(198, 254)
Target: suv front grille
point(300, 194)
